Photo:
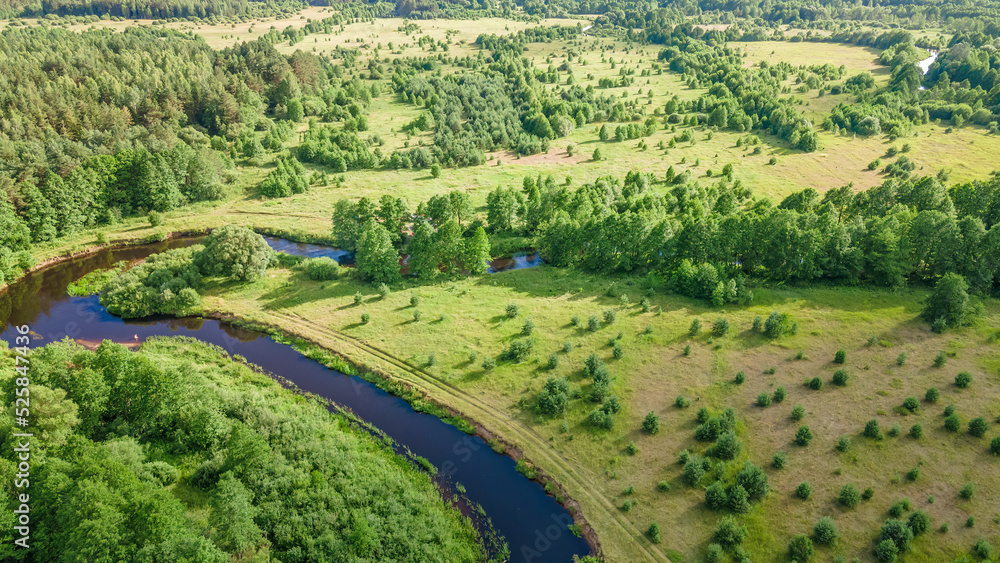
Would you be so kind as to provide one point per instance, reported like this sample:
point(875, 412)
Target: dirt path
point(575, 479)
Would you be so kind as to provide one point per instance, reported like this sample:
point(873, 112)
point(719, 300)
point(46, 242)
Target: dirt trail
point(538, 450)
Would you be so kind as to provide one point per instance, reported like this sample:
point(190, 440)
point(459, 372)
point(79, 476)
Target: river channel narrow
point(532, 522)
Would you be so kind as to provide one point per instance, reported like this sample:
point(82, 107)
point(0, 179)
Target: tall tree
point(477, 252)
point(377, 260)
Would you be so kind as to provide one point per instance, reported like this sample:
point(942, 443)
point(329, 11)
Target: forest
point(721, 276)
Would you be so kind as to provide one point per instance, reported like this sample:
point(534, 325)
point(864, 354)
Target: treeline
point(150, 9)
point(705, 239)
point(124, 431)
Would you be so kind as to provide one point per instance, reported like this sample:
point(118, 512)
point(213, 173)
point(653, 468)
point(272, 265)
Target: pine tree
point(477, 252)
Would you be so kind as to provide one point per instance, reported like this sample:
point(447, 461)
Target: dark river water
point(532, 523)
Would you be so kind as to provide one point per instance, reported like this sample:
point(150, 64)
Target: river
point(532, 522)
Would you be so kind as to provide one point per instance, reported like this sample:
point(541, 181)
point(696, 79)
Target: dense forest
point(179, 453)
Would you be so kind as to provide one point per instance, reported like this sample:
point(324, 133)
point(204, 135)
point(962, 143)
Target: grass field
point(467, 315)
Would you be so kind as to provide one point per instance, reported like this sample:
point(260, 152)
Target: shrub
point(815, 384)
point(758, 324)
point(983, 549)
point(932, 395)
point(898, 532)
point(840, 377)
point(512, 310)
point(322, 269)
point(651, 424)
point(800, 548)
point(770, 370)
point(916, 431)
point(754, 480)
point(894, 431)
point(716, 497)
point(944, 528)
point(727, 446)
point(702, 416)
point(598, 418)
point(715, 554)
point(967, 491)
point(978, 426)
point(911, 404)
point(631, 448)
point(417, 315)
point(693, 471)
point(779, 395)
point(963, 379)
point(728, 533)
point(365, 317)
point(575, 321)
point(779, 460)
point(567, 347)
point(844, 443)
point(919, 522)
point(970, 522)
point(995, 446)
point(553, 362)
point(886, 551)
point(825, 531)
point(414, 300)
point(554, 397)
point(849, 496)
point(720, 327)
point(682, 402)
point(872, 430)
point(687, 350)
point(952, 423)
point(949, 410)
point(609, 316)
point(798, 411)
point(617, 351)
point(645, 305)
point(383, 290)
point(489, 363)
point(764, 400)
point(654, 533)
point(867, 494)
point(803, 436)
point(663, 486)
point(940, 360)
point(840, 357)
point(804, 490)
point(695, 327)
point(154, 218)
point(776, 325)
point(739, 500)
point(358, 298)
point(740, 378)
point(593, 323)
point(913, 474)
point(473, 356)
point(528, 327)
point(901, 359)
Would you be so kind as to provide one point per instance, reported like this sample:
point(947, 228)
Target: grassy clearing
point(654, 370)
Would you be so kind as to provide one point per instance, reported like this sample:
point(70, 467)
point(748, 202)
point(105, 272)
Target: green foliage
point(840, 377)
point(849, 495)
point(740, 378)
point(518, 350)
point(844, 443)
point(777, 325)
point(554, 397)
point(886, 551)
point(716, 497)
point(322, 269)
point(165, 283)
point(800, 548)
point(528, 327)
point(916, 431)
point(932, 395)
point(815, 384)
point(967, 491)
point(872, 430)
point(682, 402)
point(798, 411)
point(940, 359)
point(779, 460)
point(764, 400)
point(695, 328)
point(728, 533)
point(803, 436)
point(978, 427)
point(236, 252)
point(919, 522)
point(651, 423)
point(286, 179)
point(949, 301)
point(803, 491)
point(963, 379)
point(727, 446)
point(754, 480)
point(779, 394)
point(720, 327)
point(952, 423)
point(983, 549)
point(172, 395)
point(631, 448)
point(995, 446)
point(376, 259)
point(365, 318)
point(840, 357)
point(654, 533)
point(911, 404)
point(593, 323)
point(825, 531)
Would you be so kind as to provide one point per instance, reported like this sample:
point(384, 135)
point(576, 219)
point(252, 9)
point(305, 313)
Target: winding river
point(532, 522)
